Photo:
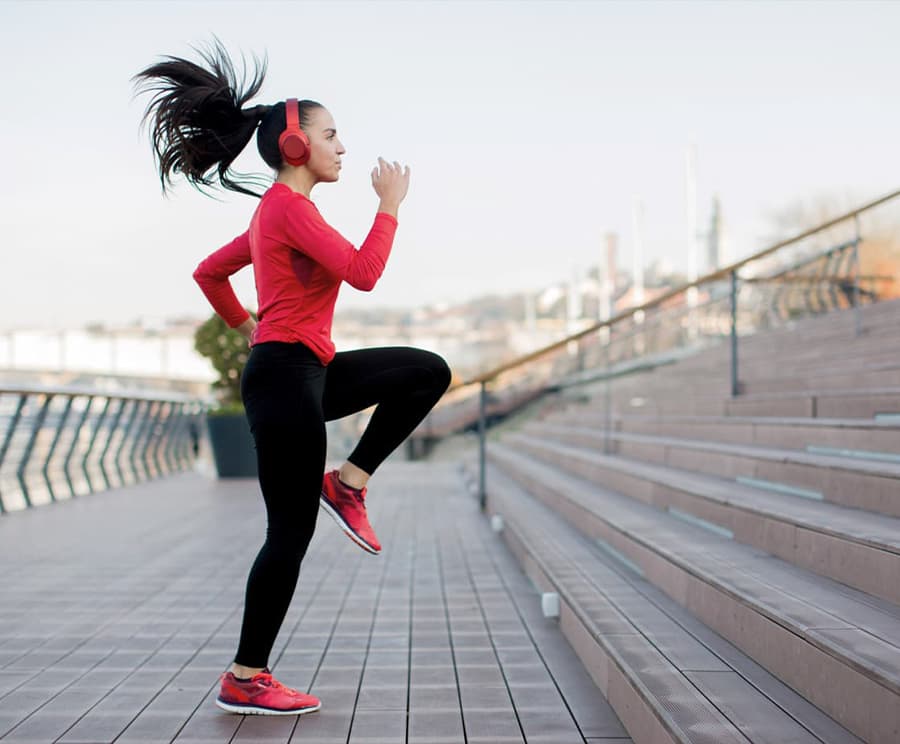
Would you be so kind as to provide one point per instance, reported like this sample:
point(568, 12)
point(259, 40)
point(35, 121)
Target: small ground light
point(550, 604)
point(497, 523)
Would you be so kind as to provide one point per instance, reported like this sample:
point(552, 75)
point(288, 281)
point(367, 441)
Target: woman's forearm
point(246, 328)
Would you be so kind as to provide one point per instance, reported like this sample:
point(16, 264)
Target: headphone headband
point(292, 113)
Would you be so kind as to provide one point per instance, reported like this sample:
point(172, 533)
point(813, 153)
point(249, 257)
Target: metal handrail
point(75, 390)
point(718, 275)
point(156, 436)
point(729, 273)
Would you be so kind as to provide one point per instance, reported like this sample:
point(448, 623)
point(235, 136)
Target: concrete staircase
point(727, 569)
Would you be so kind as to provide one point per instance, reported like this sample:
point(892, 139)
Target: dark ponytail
point(198, 125)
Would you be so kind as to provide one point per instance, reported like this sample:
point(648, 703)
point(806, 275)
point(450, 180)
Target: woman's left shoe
point(347, 506)
point(263, 695)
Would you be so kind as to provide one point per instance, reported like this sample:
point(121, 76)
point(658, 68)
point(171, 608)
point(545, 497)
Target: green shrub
point(227, 350)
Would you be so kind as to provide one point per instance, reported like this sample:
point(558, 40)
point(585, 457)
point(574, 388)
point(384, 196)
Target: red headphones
point(293, 142)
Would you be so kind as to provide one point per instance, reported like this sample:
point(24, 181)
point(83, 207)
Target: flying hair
point(196, 117)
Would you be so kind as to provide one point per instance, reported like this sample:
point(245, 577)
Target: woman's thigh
point(282, 392)
point(356, 380)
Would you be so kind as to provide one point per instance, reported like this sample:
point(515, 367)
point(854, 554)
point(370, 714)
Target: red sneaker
point(263, 695)
point(348, 508)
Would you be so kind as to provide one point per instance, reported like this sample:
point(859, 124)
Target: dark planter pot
point(232, 445)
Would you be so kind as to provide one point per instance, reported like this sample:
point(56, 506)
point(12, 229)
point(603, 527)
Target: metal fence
point(59, 443)
point(839, 264)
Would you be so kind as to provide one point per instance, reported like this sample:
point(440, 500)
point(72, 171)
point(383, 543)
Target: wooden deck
point(119, 611)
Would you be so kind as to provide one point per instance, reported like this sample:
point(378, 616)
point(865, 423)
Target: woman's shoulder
point(281, 209)
point(282, 200)
point(281, 193)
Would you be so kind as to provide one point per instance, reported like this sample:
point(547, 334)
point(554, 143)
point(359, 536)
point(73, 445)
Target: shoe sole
point(335, 515)
point(252, 710)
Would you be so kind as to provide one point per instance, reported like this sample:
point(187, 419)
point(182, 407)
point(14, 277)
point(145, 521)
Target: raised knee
point(441, 371)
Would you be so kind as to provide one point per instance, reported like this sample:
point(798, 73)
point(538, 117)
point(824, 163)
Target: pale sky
point(529, 127)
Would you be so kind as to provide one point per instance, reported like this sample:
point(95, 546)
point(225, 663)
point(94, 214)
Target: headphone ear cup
point(293, 142)
point(294, 146)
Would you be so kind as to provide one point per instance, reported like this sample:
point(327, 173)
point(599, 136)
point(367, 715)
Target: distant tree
point(879, 252)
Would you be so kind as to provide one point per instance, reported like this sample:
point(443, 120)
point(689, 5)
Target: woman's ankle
point(350, 475)
point(243, 672)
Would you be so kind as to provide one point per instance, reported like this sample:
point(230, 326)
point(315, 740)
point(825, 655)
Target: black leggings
point(289, 395)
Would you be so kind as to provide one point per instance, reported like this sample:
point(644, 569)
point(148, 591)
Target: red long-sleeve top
point(299, 262)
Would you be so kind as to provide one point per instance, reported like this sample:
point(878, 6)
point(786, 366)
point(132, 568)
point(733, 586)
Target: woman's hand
point(246, 328)
point(391, 182)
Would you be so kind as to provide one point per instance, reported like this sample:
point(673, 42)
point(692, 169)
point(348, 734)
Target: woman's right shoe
point(263, 695)
point(347, 506)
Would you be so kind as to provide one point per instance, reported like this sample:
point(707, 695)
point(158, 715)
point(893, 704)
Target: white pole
point(637, 254)
point(692, 244)
point(637, 268)
point(603, 280)
point(573, 310)
point(691, 207)
point(606, 283)
point(530, 313)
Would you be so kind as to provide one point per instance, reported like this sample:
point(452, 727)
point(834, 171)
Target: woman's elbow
point(200, 275)
point(364, 283)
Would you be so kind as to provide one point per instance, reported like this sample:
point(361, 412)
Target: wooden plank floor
point(118, 612)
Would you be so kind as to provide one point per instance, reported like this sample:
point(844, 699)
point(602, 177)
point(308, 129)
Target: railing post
point(181, 442)
point(171, 451)
point(113, 428)
point(29, 447)
point(735, 386)
point(123, 444)
point(84, 459)
point(153, 438)
point(833, 296)
point(161, 439)
point(857, 314)
point(56, 437)
point(14, 422)
point(607, 394)
point(142, 439)
point(73, 445)
point(482, 437)
point(183, 452)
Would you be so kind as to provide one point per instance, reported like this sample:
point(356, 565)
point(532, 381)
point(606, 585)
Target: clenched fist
point(391, 182)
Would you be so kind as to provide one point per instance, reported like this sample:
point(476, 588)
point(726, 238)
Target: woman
point(293, 381)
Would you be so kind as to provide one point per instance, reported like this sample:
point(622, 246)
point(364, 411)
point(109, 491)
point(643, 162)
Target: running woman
point(294, 381)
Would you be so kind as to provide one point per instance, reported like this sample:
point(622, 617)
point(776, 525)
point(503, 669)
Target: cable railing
point(58, 443)
point(819, 270)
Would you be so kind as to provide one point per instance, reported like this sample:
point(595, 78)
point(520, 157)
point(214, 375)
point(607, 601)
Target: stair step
point(881, 435)
point(857, 483)
point(852, 546)
point(801, 627)
point(853, 403)
point(668, 676)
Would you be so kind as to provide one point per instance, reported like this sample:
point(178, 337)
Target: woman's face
point(325, 149)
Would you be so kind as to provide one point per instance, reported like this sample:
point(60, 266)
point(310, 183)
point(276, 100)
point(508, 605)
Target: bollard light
point(550, 604)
